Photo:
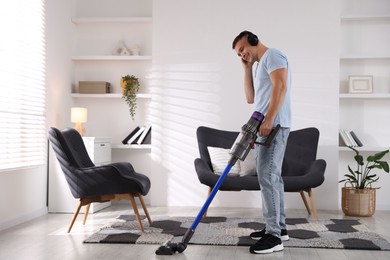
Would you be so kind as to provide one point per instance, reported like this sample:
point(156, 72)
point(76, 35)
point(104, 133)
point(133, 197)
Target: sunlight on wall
point(184, 97)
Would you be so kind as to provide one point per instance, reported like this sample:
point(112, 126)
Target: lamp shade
point(78, 115)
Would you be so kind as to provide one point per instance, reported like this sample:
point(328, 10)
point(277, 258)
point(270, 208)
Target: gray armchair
point(91, 183)
point(301, 170)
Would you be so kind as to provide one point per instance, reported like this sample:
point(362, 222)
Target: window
point(22, 84)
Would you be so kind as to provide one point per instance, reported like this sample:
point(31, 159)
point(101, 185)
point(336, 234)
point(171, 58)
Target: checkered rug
point(333, 233)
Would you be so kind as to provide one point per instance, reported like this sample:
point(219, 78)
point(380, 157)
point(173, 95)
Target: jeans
point(269, 168)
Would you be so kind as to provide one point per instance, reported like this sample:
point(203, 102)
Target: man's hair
point(252, 38)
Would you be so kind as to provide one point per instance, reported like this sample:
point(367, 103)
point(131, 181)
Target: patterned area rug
point(333, 233)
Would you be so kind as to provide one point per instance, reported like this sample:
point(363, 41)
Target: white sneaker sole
point(276, 248)
point(283, 238)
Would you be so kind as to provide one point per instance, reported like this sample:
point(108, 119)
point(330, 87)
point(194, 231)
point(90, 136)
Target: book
point(344, 138)
point(148, 137)
point(124, 141)
point(133, 139)
point(351, 140)
point(144, 133)
point(359, 143)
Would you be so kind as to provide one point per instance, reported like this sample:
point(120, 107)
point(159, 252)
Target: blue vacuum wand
point(240, 149)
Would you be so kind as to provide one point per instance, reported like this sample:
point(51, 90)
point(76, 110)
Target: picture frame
point(360, 84)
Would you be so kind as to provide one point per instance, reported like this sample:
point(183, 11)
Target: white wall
point(197, 80)
point(23, 192)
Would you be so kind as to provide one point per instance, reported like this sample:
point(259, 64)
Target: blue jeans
point(269, 168)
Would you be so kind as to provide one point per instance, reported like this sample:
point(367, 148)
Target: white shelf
point(364, 57)
point(363, 149)
point(111, 58)
point(365, 17)
point(365, 96)
point(85, 20)
point(108, 95)
point(132, 146)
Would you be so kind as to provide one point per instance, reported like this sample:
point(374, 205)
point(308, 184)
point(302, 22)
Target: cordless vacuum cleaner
point(240, 149)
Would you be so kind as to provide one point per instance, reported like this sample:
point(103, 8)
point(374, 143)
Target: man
point(267, 85)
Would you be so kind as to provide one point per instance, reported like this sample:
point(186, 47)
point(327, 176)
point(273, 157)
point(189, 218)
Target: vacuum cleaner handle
point(270, 137)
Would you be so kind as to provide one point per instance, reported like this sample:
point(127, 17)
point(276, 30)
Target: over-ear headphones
point(252, 39)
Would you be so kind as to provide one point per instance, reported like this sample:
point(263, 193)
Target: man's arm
point(248, 85)
point(279, 88)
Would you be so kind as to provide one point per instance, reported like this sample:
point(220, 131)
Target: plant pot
point(358, 202)
point(123, 84)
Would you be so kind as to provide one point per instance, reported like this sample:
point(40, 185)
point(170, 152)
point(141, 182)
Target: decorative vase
point(358, 202)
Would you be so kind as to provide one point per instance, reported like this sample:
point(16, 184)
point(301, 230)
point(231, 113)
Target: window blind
point(22, 84)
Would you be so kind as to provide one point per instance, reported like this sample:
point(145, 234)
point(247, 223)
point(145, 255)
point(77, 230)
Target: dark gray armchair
point(301, 170)
point(91, 183)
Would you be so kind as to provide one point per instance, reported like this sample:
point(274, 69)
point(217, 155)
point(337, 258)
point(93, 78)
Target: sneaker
point(259, 234)
point(267, 244)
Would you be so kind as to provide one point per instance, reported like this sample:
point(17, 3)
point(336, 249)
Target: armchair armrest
point(101, 179)
point(205, 173)
point(314, 177)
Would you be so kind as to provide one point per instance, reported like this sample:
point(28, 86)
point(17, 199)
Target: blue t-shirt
point(271, 60)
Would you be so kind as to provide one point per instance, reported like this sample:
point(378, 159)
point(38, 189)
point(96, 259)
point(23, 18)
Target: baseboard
point(22, 219)
point(382, 206)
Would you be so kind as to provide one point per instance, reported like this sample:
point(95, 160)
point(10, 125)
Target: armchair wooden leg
point(312, 204)
point(305, 201)
point(208, 194)
point(86, 213)
point(135, 208)
point(75, 215)
point(141, 199)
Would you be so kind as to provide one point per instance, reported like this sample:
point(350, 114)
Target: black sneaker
point(259, 234)
point(267, 244)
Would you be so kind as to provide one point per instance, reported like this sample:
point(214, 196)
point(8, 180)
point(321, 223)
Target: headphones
point(252, 39)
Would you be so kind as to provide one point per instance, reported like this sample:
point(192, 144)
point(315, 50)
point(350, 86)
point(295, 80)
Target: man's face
point(243, 50)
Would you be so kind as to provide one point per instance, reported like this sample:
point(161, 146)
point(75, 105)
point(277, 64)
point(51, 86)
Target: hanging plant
point(130, 85)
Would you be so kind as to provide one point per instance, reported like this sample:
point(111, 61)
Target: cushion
point(248, 166)
point(219, 159)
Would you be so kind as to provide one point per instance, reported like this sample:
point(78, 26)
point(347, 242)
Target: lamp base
point(80, 128)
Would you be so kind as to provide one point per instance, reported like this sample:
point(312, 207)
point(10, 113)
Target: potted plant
point(130, 85)
point(360, 198)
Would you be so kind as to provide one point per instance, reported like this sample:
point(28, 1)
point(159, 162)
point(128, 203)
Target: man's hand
point(247, 64)
point(266, 127)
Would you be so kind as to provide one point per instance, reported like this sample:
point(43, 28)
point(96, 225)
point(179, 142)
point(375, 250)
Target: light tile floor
point(46, 238)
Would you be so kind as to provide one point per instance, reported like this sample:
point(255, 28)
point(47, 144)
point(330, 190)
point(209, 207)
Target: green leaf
point(378, 166)
point(369, 177)
point(351, 177)
point(377, 156)
point(350, 170)
point(359, 159)
point(385, 165)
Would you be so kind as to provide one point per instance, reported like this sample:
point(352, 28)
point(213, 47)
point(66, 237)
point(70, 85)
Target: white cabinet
point(99, 149)
point(61, 199)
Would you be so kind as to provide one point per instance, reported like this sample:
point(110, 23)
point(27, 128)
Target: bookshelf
point(110, 95)
point(94, 20)
point(364, 51)
point(112, 58)
point(363, 148)
point(365, 96)
point(132, 146)
point(95, 37)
